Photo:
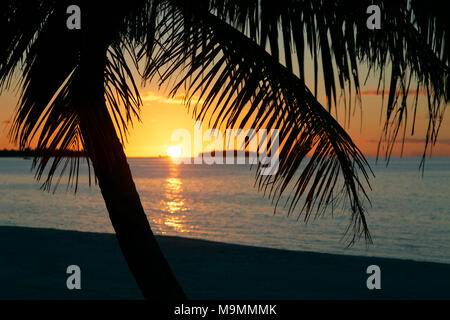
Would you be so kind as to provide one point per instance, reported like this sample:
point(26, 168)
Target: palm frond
point(246, 60)
point(411, 49)
point(49, 61)
point(46, 69)
point(237, 79)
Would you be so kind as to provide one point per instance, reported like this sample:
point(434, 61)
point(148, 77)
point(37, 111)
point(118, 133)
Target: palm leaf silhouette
point(246, 60)
point(238, 73)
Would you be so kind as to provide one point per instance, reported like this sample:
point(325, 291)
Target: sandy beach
point(33, 265)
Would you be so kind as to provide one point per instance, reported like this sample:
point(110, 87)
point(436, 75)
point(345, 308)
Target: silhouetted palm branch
point(220, 48)
point(217, 49)
point(39, 46)
point(236, 79)
point(75, 84)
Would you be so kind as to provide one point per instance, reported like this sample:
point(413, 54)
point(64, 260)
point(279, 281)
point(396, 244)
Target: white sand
point(33, 265)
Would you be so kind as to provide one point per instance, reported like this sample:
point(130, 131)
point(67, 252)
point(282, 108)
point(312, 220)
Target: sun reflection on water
point(174, 205)
point(174, 223)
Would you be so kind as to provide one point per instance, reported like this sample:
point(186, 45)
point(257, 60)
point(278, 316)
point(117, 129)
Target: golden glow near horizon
point(173, 151)
point(161, 115)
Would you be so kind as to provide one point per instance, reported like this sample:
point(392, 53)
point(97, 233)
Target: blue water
point(409, 218)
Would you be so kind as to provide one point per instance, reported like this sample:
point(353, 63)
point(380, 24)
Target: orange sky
point(161, 116)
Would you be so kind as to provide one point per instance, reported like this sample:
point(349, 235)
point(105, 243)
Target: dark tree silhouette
point(246, 60)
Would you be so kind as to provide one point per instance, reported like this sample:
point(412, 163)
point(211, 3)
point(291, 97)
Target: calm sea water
point(409, 218)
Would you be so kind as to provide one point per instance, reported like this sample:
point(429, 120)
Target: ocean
point(409, 217)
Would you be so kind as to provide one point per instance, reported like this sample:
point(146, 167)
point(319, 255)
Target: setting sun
point(173, 151)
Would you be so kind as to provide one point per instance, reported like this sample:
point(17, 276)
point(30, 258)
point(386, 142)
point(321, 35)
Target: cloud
point(413, 141)
point(179, 99)
point(3, 127)
point(375, 92)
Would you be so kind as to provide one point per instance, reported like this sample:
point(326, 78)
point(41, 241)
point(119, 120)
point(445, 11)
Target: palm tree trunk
point(133, 232)
point(136, 240)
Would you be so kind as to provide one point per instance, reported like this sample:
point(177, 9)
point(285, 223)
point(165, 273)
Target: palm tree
point(241, 57)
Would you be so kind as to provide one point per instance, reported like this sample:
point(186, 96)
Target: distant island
point(233, 156)
point(31, 153)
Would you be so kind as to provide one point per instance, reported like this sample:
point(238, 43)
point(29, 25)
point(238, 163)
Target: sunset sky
point(162, 115)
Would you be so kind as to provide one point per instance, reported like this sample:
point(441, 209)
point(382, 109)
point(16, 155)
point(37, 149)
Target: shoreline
point(33, 264)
